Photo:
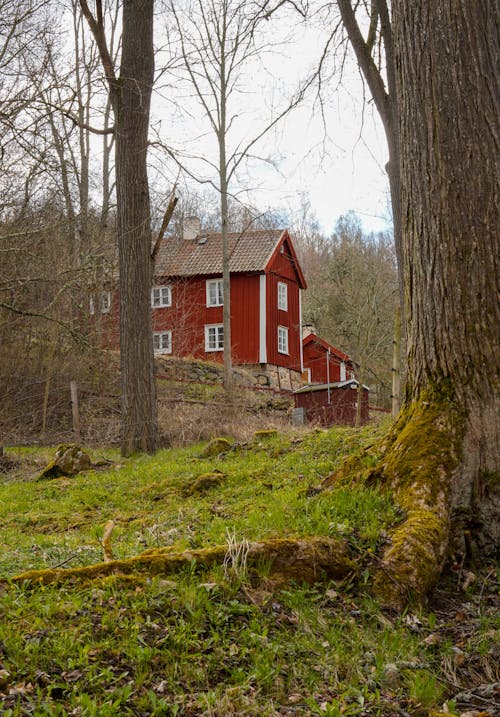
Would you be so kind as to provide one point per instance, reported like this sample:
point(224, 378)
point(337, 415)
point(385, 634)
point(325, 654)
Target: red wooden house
point(187, 301)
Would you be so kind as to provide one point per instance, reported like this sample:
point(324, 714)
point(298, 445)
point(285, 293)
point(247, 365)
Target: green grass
point(204, 644)
point(263, 495)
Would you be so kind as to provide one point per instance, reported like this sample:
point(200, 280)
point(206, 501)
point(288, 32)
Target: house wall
point(282, 269)
point(340, 410)
point(189, 314)
point(107, 325)
point(316, 359)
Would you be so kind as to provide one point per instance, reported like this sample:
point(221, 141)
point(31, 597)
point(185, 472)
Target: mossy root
point(303, 560)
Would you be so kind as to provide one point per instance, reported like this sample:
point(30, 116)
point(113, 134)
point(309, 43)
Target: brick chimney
point(308, 329)
point(191, 228)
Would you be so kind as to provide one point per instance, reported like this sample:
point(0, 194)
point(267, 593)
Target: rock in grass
point(69, 460)
point(215, 447)
point(265, 434)
point(203, 483)
point(392, 676)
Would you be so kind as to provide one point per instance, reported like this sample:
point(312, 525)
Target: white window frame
point(161, 296)
point(282, 296)
point(283, 340)
point(162, 342)
point(215, 292)
point(214, 337)
point(104, 300)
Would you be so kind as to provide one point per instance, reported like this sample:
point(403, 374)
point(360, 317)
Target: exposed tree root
point(422, 454)
point(303, 560)
point(417, 461)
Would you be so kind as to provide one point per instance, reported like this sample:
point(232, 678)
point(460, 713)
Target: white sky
point(343, 172)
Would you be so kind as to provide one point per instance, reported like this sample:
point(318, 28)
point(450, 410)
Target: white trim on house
point(215, 292)
point(282, 296)
point(301, 340)
point(214, 337)
point(283, 340)
point(162, 342)
point(262, 319)
point(343, 372)
point(161, 296)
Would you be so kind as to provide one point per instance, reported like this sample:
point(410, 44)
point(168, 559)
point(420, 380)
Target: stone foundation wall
point(263, 375)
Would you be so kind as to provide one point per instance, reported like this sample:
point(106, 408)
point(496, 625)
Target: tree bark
point(130, 97)
point(132, 104)
point(442, 457)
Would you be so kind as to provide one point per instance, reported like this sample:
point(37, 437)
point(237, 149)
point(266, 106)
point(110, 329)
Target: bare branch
point(172, 203)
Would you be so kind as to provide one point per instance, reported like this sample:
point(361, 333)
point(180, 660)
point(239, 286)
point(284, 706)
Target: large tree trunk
point(139, 427)
point(130, 97)
point(442, 457)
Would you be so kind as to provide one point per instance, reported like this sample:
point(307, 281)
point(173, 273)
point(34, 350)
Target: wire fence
point(44, 412)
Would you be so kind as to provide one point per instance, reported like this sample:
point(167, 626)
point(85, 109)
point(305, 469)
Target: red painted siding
point(189, 314)
point(245, 318)
point(316, 359)
point(340, 410)
point(107, 326)
point(282, 269)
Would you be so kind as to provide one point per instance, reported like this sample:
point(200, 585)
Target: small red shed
point(332, 403)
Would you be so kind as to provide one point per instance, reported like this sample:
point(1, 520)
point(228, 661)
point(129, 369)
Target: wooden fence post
point(75, 411)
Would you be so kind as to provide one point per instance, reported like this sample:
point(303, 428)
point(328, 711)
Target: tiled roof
point(249, 251)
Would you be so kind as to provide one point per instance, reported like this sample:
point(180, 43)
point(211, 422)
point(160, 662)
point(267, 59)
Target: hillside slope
point(234, 637)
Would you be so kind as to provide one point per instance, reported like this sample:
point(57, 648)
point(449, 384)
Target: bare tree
point(130, 98)
point(219, 42)
point(374, 52)
point(351, 299)
point(443, 455)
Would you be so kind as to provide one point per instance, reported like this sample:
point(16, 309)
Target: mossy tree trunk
point(442, 457)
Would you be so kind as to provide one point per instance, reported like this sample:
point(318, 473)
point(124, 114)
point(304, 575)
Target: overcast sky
point(335, 155)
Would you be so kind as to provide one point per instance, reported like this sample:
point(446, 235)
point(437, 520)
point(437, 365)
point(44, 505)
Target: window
point(282, 296)
point(103, 300)
point(214, 337)
point(161, 296)
point(162, 342)
point(282, 340)
point(215, 293)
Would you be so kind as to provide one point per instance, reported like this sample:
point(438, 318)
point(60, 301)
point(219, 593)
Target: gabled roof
point(312, 338)
point(250, 251)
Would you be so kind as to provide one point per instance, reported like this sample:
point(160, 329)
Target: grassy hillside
point(225, 640)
